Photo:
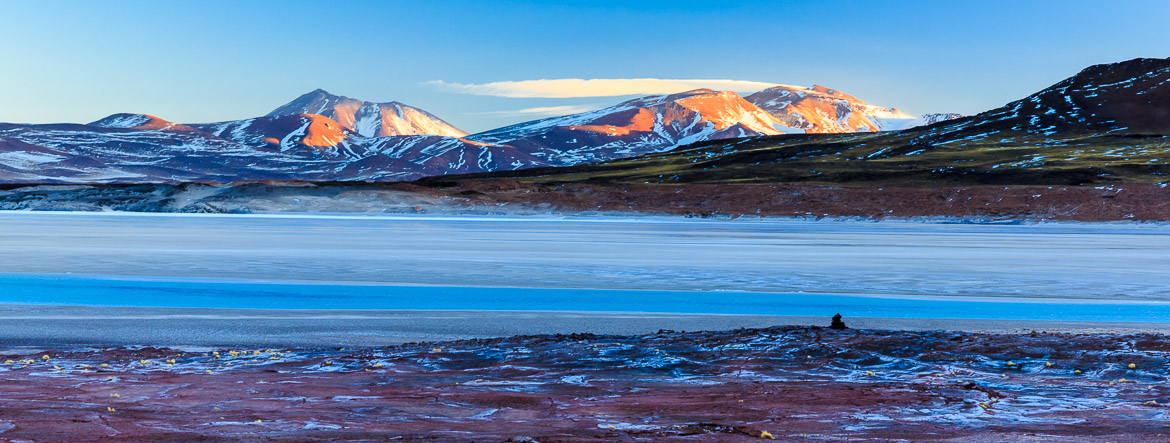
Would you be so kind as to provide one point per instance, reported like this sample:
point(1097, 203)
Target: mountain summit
point(369, 119)
point(647, 124)
point(822, 110)
point(662, 122)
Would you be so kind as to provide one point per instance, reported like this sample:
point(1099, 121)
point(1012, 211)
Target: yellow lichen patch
point(109, 409)
point(45, 357)
point(767, 435)
point(1132, 366)
point(115, 394)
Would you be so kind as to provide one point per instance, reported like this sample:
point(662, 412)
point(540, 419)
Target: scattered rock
point(837, 323)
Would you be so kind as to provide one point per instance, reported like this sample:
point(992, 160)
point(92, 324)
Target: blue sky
point(77, 61)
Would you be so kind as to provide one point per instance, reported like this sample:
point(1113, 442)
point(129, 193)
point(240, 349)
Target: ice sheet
point(1101, 261)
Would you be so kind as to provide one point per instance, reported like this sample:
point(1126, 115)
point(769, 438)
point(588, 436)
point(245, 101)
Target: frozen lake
point(790, 267)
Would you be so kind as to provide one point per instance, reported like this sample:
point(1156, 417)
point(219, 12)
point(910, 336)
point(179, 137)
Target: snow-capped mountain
point(664, 122)
point(1107, 125)
point(369, 119)
point(128, 148)
point(325, 137)
point(399, 157)
point(822, 110)
point(647, 124)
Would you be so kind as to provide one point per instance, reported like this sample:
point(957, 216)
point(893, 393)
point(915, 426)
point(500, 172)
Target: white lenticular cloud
point(546, 110)
point(595, 87)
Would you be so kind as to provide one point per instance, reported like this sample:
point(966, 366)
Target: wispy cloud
point(595, 87)
point(545, 110)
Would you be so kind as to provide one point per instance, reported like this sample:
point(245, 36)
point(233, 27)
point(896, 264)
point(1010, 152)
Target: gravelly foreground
point(791, 383)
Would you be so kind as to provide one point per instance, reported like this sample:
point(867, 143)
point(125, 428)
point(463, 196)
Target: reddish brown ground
point(794, 383)
point(1117, 202)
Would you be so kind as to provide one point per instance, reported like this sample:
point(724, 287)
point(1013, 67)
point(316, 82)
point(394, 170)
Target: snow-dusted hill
point(127, 148)
point(320, 136)
point(822, 110)
point(648, 124)
point(369, 119)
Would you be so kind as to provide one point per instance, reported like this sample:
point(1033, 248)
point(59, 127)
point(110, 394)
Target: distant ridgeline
point(325, 137)
point(1107, 124)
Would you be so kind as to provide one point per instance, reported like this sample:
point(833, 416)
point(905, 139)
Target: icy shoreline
point(792, 383)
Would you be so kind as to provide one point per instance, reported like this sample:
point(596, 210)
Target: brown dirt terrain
point(1141, 202)
point(793, 383)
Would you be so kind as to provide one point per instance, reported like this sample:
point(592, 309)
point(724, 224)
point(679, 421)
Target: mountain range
point(1093, 147)
point(1107, 124)
point(322, 137)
